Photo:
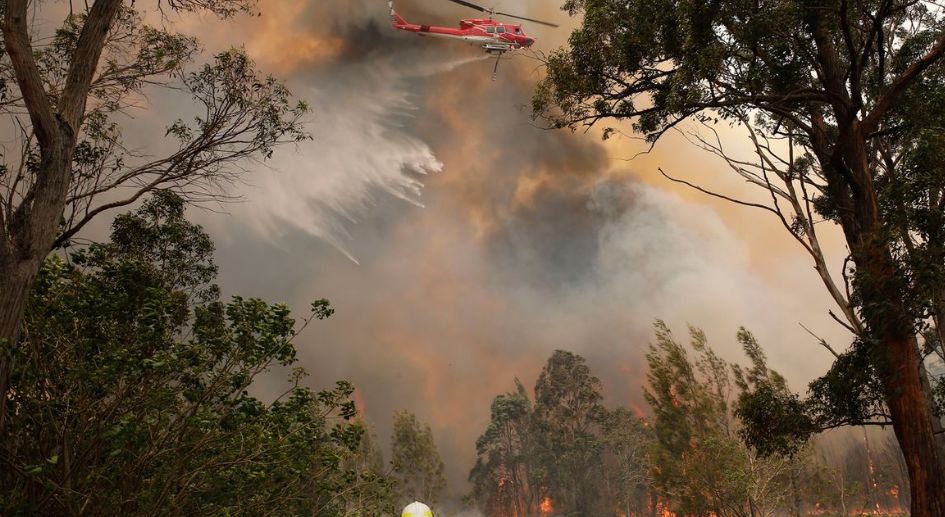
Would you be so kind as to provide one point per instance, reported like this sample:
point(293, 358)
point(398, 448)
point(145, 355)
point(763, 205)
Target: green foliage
point(260, 108)
point(700, 466)
point(676, 55)
point(501, 478)
point(774, 419)
point(136, 54)
point(694, 456)
point(778, 422)
point(418, 469)
point(130, 391)
point(849, 393)
point(374, 486)
point(158, 235)
point(658, 62)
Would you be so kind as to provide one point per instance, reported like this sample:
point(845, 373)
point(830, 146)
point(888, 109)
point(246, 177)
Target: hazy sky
point(461, 244)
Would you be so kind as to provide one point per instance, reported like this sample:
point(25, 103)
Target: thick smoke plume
point(484, 242)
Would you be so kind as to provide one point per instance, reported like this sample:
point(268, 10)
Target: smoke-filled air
point(529, 258)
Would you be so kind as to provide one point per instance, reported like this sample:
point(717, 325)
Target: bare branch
point(821, 341)
point(901, 83)
point(85, 60)
point(717, 195)
point(16, 40)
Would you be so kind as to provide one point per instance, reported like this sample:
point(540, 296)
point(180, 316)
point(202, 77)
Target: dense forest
point(559, 450)
point(128, 381)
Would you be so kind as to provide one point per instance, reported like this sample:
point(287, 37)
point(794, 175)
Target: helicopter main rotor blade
point(472, 5)
point(507, 15)
point(492, 12)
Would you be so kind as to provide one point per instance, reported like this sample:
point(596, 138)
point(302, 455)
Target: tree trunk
point(890, 335)
point(30, 239)
point(14, 284)
point(895, 352)
point(843, 501)
point(16, 279)
point(912, 422)
point(890, 326)
point(795, 493)
point(890, 332)
point(31, 229)
point(872, 501)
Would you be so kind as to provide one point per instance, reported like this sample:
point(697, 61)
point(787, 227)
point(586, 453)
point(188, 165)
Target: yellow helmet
point(417, 509)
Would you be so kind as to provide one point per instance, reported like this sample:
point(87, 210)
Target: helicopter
point(494, 37)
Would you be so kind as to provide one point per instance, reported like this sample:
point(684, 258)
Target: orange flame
point(546, 506)
point(663, 511)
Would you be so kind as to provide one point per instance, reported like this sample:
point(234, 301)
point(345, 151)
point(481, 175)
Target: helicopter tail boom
point(397, 19)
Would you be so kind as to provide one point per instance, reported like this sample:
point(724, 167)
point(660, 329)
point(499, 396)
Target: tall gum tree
point(63, 100)
point(836, 97)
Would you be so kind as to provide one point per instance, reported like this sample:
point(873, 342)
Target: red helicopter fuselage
point(492, 36)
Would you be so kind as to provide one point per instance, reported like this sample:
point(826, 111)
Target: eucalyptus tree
point(130, 392)
point(842, 102)
point(504, 476)
point(62, 96)
point(417, 467)
point(566, 423)
point(626, 440)
point(562, 450)
point(699, 464)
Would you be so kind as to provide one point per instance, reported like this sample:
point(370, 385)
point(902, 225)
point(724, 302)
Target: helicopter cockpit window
point(500, 30)
point(490, 30)
point(518, 30)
